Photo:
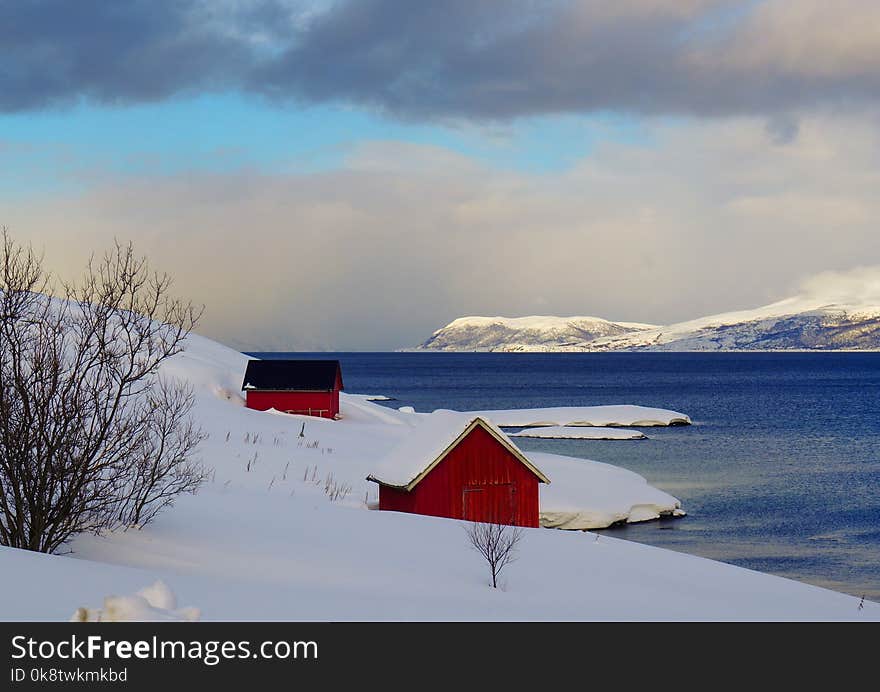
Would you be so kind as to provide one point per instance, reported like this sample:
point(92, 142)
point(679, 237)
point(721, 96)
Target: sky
point(354, 174)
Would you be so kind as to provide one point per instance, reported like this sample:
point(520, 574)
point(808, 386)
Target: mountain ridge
point(801, 323)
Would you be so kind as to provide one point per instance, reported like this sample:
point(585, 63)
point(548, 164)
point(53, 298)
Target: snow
point(280, 558)
point(158, 595)
point(593, 495)
point(538, 322)
point(524, 333)
point(815, 319)
point(789, 306)
point(426, 442)
point(594, 416)
point(283, 531)
point(560, 432)
point(685, 333)
point(154, 603)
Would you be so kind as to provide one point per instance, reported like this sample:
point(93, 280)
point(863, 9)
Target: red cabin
point(462, 467)
point(308, 387)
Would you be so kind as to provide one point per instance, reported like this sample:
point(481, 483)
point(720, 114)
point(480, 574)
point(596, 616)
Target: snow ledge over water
point(588, 416)
point(561, 432)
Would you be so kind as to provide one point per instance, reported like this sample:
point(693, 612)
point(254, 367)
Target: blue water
point(779, 473)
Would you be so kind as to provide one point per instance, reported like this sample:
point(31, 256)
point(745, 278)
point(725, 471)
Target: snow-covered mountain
point(800, 323)
point(526, 333)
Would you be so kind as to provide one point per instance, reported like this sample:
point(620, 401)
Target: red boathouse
point(462, 467)
point(309, 387)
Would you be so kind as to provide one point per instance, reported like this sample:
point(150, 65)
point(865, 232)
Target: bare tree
point(164, 466)
point(496, 543)
point(90, 437)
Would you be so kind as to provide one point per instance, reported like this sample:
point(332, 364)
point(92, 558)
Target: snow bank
point(359, 408)
point(558, 432)
point(154, 603)
point(592, 495)
point(266, 556)
point(596, 416)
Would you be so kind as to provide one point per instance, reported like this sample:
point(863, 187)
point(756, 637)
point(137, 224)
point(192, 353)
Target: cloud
point(857, 286)
point(805, 40)
point(55, 52)
point(783, 129)
point(473, 59)
point(403, 238)
point(451, 59)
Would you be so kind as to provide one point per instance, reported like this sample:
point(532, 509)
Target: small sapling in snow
point(496, 543)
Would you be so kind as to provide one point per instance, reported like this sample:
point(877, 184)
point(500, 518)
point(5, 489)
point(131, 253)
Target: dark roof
point(292, 375)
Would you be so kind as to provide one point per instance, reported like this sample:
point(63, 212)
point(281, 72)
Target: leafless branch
point(90, 437)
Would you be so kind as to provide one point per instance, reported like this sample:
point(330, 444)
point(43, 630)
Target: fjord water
point(779, 473)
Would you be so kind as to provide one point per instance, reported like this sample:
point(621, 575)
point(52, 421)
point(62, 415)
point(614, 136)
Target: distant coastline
point(626, 351)
point(807, 324)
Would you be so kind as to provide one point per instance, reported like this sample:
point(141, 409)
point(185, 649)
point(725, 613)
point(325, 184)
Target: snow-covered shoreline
point(266, 540)
point(594, 495)
point(586, 416)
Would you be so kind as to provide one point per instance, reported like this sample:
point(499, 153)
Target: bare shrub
point(335, 489)
point(496, 543)
point(90, 437)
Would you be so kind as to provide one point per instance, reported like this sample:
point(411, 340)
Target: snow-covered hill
point(525, 333)
point(800, 323)
point(286, 530)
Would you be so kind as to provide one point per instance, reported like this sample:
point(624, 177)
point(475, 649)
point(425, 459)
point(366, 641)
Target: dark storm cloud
point(479, 59)
point(489, 59)
point(57, 51)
